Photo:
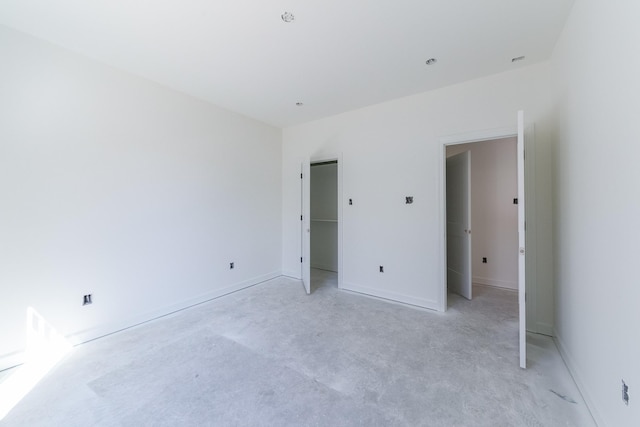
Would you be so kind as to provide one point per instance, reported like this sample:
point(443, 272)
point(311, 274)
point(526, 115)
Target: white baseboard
point(92, 334)
point(495, 283)
point(11, 360)
point(577, 378)
point(325, 267)
point(292, 273)
point(17, 358)
point(482, 285)
point(393, 296)
point(545, 329)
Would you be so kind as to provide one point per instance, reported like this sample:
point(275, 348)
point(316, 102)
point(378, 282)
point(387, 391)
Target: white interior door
point(459, 224)
point(305, 223)
point(521, 245)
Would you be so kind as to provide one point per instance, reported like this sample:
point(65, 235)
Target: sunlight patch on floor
point(45, 348)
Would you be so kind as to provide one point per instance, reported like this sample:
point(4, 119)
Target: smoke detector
point(287, 17)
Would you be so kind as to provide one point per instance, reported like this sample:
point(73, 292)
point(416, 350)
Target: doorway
point(482, 195)
point(519, 133)
point(324, 224)
point(321, 222)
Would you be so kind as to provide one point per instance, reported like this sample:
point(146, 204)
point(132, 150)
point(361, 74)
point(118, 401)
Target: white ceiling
point(336, 56)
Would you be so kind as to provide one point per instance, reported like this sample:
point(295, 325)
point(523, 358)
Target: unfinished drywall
point(597, 204)
point(393, 150)
point(115, 186)
point(324, 216)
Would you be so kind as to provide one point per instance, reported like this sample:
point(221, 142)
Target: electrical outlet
point(231, 266)
point(381, 269)
point(625, 393)
point(484, 259)
point(87, 300)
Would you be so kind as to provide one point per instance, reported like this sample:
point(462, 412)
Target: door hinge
point(300, 176)
point(300, 259)
point(300, 217)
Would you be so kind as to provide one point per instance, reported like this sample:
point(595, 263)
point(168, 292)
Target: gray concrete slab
point(271, 355)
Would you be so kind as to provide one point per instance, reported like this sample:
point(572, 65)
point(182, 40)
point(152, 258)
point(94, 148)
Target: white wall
point(393, 150)
point(597, 204)
point(324, 208)
point(116, 186)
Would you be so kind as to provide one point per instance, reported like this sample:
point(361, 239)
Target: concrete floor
point(271, 355)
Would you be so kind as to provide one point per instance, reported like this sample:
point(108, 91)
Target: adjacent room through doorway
point(492, 211)
point(483, 225)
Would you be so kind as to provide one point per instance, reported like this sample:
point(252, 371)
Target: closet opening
point(324, 234)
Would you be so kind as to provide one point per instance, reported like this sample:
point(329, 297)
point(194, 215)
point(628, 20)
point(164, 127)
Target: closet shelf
point(324, 220)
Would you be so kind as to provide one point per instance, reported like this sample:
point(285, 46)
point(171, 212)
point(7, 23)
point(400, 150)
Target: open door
point(458, 189)
point(521, 245)
point(305, 224)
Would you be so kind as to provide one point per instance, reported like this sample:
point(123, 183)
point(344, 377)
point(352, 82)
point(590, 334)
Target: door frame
point(528, 301)
point(305, 224)
point(320, 159)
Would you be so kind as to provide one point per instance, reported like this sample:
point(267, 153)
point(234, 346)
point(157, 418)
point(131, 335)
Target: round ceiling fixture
point(431, 61)
point(299, 104)
point(287, 17)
